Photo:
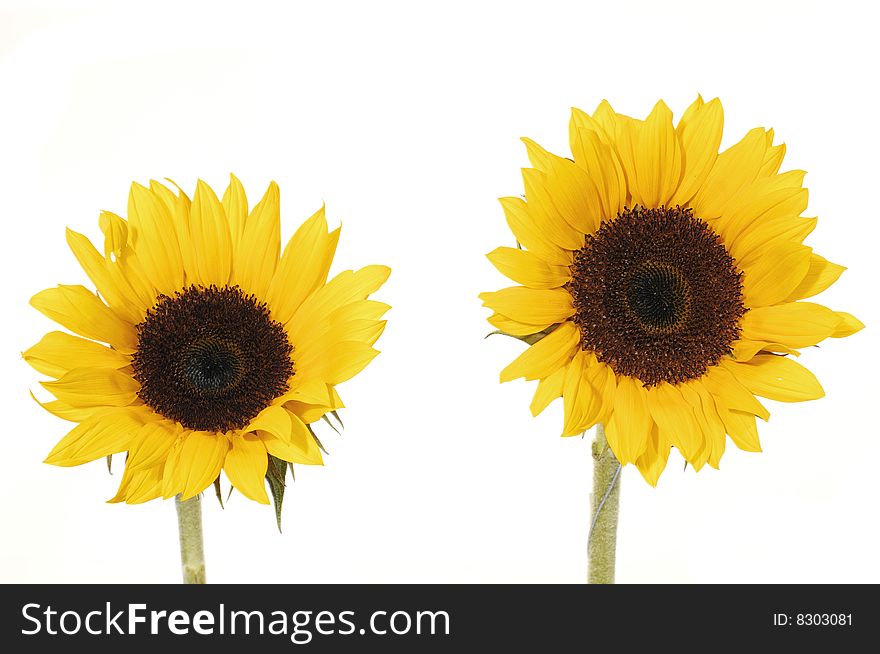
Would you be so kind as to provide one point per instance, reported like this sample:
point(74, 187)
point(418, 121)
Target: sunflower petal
point(777, 378)
point(260, 244)
point(246, 464)
point(529, 305)
point(546, 356)
point(235, 205)
point(795, 324)
point(209, 239)
point(699, 130)
point(528, 269)
point(157, 245)
point(548, 390)
point(200, 461)
point(774, 276)
point(659, 160)
point(82, 312)
point(631, 424)
point(95, 438)
point(60, 352)
point(301, 267)
point(580, 401)
point(94, 387)
point(820, 275)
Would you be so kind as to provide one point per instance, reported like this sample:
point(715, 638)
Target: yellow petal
point(514, 327)
point(795, 324)
point(334, 366)
point(302, 447)
point(151, 444)
point(740, 427)
point(744, 349)
point(235, 205)
point(755, 241)
point(734, 168)
point(659, 161)
point(528, 269)
point(762, 203)
point(653, 460)
point(621, 131)
point(246, 464)
point(300, 269)
point(710, 423)
point(631, 422)
point(546, 356)
point(604, 174)
point(80, 311)
point(274, 419)
point(777, 378)
point(774, 276)
point(115, 230)
point(209, 239)
point(820, 275)
point(530, 234)
point(200, 461)
point(96, 437)
point(563, 189)
point(138, 486)
point(581, 403)
point(847, 326)
point(311, 318)
point(260, 245)
point(60, 352)
point(71, 413)
point(359, 310)
point(107, 277)
point(700, 131)
point(156, 243)
point(675, 418)
point(529, 305)
point(94, 387)
point(724, 386)
point(548, 390)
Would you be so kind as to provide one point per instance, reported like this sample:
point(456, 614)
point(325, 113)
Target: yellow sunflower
point(661, 283)
point(206, 348)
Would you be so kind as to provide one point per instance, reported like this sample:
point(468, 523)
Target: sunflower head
point(206, 348)
point(660, 283)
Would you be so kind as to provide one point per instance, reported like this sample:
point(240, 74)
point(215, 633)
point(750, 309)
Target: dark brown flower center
point(211, 358)
point(658, 296)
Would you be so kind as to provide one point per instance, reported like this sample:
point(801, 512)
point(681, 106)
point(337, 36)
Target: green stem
point(192, 550)
point(605, 504)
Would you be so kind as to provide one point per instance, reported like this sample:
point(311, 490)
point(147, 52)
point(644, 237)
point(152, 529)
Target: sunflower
point(206, 348)
point(660, 284)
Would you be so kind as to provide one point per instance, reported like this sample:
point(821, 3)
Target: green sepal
point(335, 414)
point(332, 426)
point(317, 440)
point(110, 464)
point(531, 339)
point(218, 492)
point(275, 475)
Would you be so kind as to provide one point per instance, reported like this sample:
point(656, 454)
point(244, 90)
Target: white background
point(405, 119)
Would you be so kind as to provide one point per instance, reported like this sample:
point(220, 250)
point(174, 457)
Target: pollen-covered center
point(658, 297)
point(211, 358)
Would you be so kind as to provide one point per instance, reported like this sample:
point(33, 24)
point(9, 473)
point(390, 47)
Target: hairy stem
point(192, 550)
point(605, 505)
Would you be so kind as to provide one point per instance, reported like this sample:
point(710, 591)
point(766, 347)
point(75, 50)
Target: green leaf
point(275, 475)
